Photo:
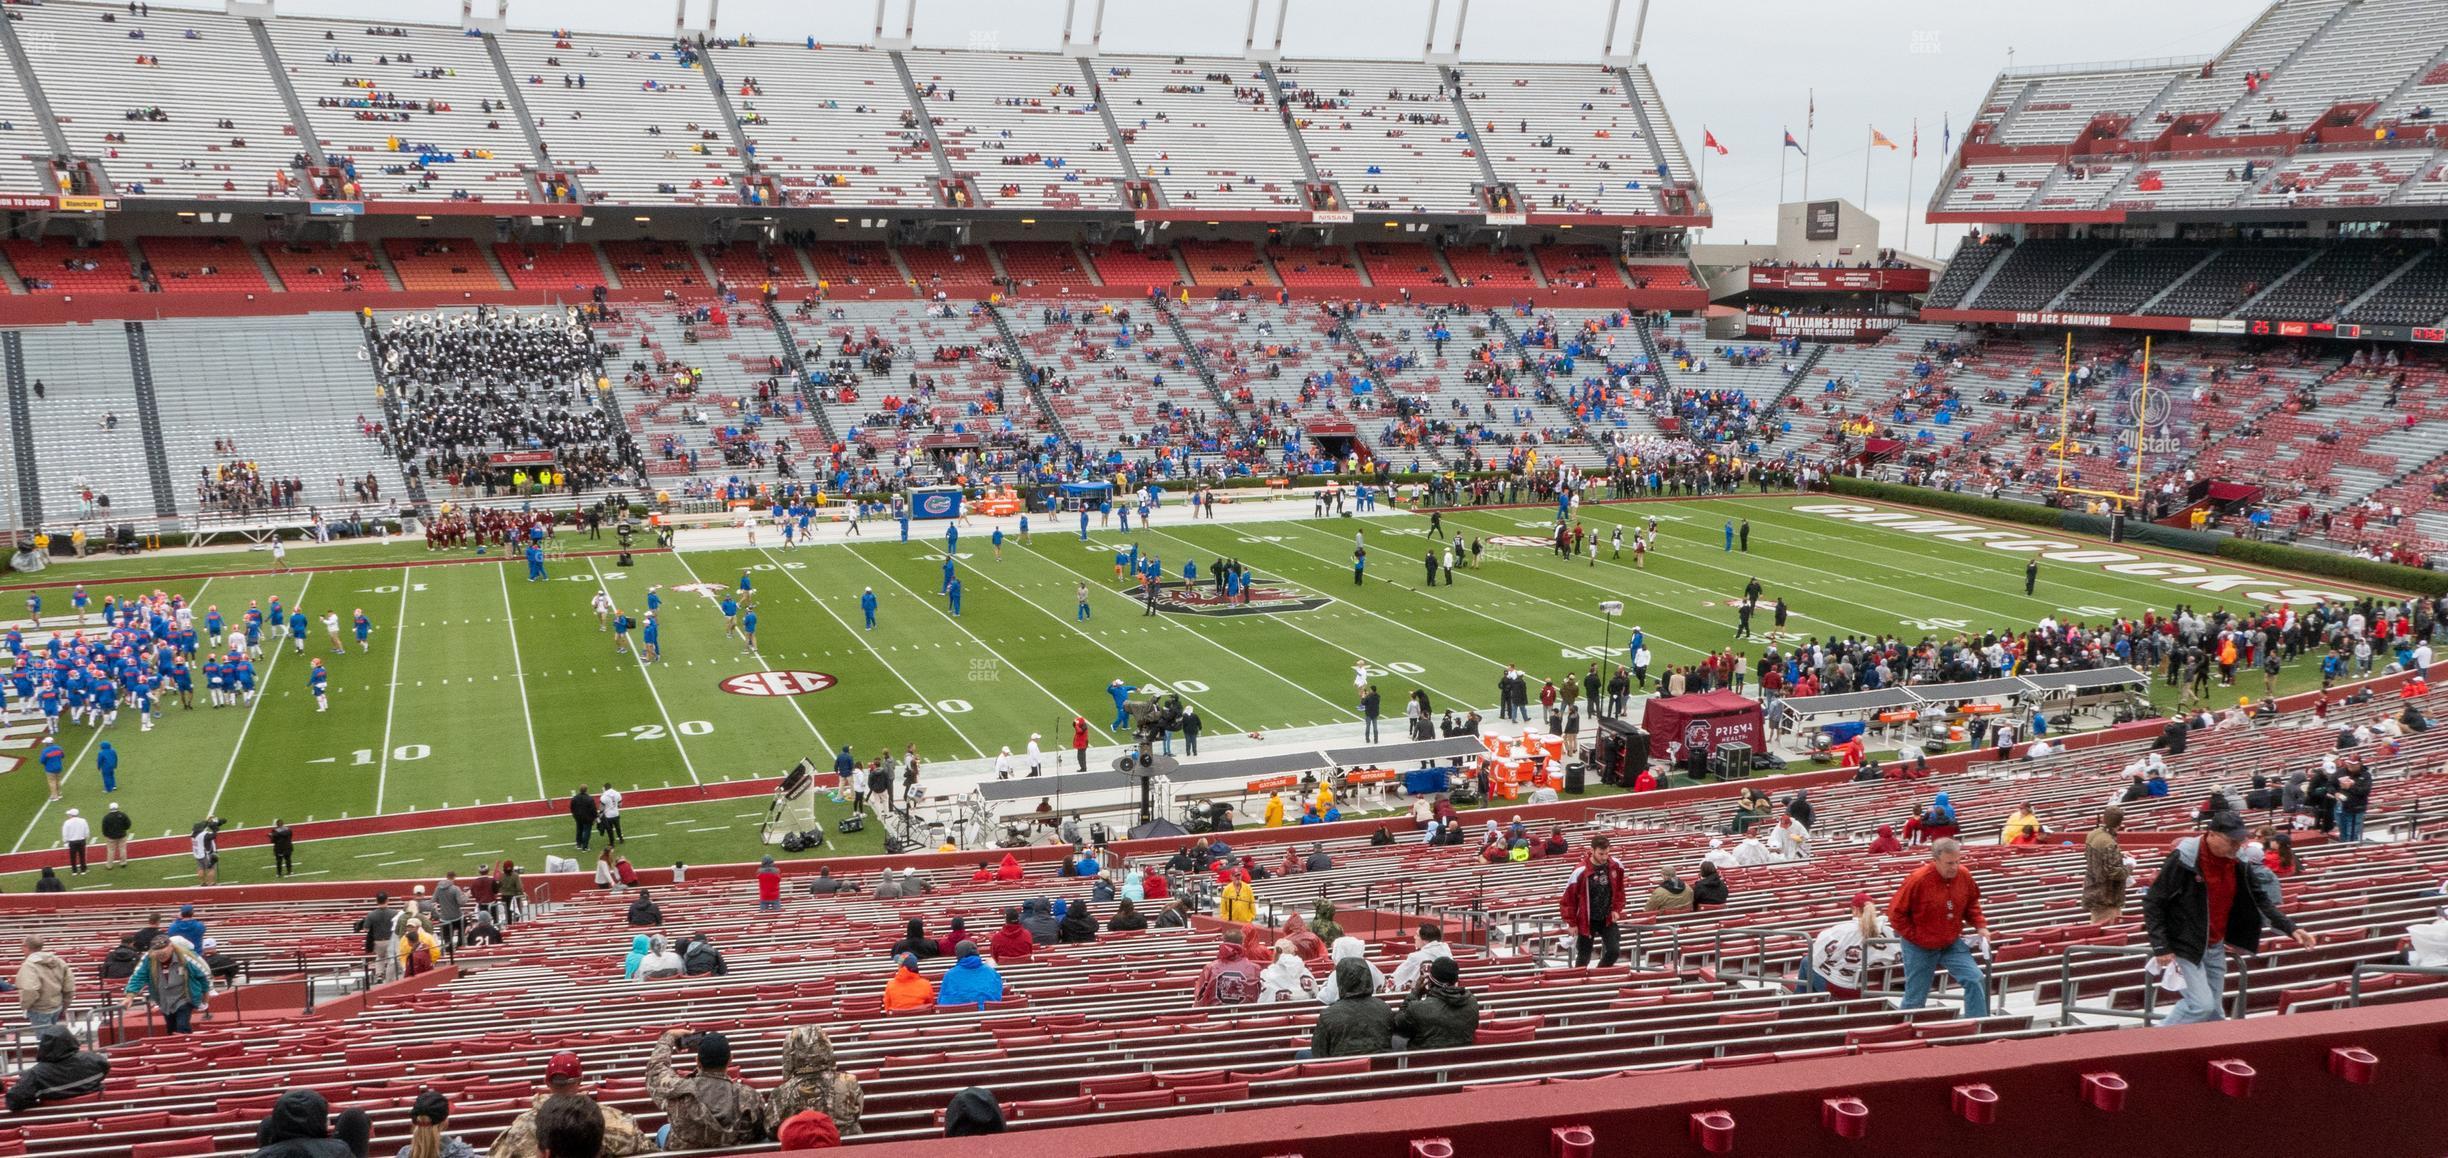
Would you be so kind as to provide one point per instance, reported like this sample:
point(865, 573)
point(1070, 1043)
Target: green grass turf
point(483, 687)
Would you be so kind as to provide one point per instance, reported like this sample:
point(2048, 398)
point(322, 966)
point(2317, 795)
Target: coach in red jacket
point(1594, 901)
point(1929, 913)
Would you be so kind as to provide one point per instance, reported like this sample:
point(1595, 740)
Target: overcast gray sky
point(1745, 72)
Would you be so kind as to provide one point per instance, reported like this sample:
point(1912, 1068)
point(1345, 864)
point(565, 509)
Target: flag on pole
point(1946, 135)
point(1708, 140)
point(1916, 145)
point(1811, 121)
point(1793, 144)
point(1878, 140)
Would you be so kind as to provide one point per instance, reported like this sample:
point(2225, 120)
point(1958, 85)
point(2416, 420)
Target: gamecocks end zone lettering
point(777, 683)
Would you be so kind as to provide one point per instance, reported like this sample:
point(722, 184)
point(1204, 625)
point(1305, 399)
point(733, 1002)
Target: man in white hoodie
point(75, 832)
point(1432, 946)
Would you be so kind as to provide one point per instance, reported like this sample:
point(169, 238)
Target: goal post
point(2124, 423)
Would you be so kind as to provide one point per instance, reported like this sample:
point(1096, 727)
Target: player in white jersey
point(603, 610)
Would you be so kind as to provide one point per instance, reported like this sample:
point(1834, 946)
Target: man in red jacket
point(1594, 901)
point(1079, 740)
point(1929, 913)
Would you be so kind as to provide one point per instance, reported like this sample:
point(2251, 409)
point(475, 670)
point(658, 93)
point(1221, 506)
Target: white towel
point(2171, 978)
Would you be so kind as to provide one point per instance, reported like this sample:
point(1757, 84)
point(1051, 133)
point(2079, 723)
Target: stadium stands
point(749, 267)
point(176, 104)
point(1048, 267)
point(1569, 138)
point(23, 147)
point(444, 264)
point(87, 441)
point(1409, 264)
point(305, 268)
point(2363, 56)
point(855, 268)
point(2322, 289)
point(54, 265)
point(2132, 276)
point(1028, 133)
point(2417, 296)
point(1963, 272)
point(1227, 263)
point(1994, 188)
point(1386, 132)
point(1477, 266)
point(417, 111)
point(1133, 270)
point(567, 269)
point(1315, 266)
point(1203, 129)
point(202, 265)
point(314, 429)
point(2055, 109)
point(2281, 31)
point(2035, 273)
point(1109, 1029)
point(961, 271)
point(2228, 280)
point(644, 131)
point(665, 267)
point(830, 123)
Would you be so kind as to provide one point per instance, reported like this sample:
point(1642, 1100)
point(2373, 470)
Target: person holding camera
point(709, 1108)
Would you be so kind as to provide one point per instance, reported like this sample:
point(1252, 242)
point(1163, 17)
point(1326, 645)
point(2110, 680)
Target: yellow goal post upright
point(2071, 453)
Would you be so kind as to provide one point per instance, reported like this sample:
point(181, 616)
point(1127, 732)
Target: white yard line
point(1346, 710)
point(1356, 652)
point(526, 714)
point(1075, 628)
point(668, 728)
point(399, 639)
point(861, 637)
point(948, 617)
point(262, 692)
point(824, 748)
point(1563, 607)
point(69, 770)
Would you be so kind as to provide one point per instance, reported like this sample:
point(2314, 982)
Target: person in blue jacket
point(1121, 695)
point(867, 605)
point(948, 568)
point(54, 764)
point(969, 982)
point(535, 562)
point(998, 544)
point(106, 761)
point(952, 590)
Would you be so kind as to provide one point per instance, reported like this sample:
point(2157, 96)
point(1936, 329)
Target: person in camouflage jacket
point(564, 1077)
point(709, 1108)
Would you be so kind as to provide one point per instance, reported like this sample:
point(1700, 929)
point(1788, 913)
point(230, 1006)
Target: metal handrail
point(2239, 967)
point(2354, 981)
point(2067, 1006)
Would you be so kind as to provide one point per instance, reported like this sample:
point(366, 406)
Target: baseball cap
point(564, 1069)
point(2228, 824)
point(1861, 898)
point(809, 1130)
point(1444, 970)
point(713, 1052)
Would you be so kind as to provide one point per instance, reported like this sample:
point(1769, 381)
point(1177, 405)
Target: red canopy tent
point(1677, 726)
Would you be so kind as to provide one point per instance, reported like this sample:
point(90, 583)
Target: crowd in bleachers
point(464, 386)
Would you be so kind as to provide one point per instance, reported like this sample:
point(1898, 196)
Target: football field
point(481, 687)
